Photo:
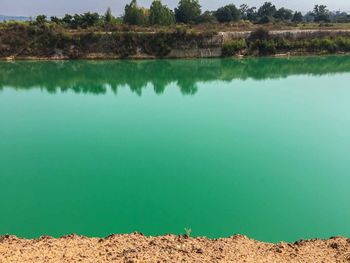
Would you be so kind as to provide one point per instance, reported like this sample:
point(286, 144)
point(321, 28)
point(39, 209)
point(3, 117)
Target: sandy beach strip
point(170, 248)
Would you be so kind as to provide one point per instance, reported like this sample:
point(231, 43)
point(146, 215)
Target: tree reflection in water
point(96, 77)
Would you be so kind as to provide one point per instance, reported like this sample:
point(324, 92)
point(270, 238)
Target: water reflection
point(96, 77)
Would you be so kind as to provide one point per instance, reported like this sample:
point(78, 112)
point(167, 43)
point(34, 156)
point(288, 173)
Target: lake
point(256, 146)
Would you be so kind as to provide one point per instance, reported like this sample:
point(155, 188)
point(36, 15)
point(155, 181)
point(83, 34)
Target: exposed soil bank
point(26, 42)
point(170, 248)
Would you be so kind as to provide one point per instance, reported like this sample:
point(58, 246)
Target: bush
point(259, 34)
point(329, 45)
point(263, 47)
point(233, 47)
point(343, 43)
point(325, 44)
point(283, 44)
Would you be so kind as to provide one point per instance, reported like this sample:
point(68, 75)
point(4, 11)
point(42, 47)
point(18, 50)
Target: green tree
point(56, 20)
point(108, 17)
point(134, 15)
point(206, 18)
point(309, 17)
point(187, 11)
point(252, 14)
point(67, 20)
point(297, 17)
point(88, 20)
point(321, 13)
point(40, 19)
point(283, 14)
point(243, 10)
point(266, 12)
point(228, 13)
point(340, 17)
point(160, 14)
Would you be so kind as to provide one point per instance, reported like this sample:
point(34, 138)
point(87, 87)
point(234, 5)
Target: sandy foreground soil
point(170, 248)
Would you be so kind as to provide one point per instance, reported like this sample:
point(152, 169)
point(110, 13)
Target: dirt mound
point(170, 248)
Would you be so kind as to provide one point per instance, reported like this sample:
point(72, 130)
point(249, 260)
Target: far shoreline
point(143, 58)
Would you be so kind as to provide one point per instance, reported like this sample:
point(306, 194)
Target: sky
point(60, 7)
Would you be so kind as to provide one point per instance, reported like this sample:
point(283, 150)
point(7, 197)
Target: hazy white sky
point(60, 7)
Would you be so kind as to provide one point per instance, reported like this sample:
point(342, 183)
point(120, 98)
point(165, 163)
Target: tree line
point(190, 12)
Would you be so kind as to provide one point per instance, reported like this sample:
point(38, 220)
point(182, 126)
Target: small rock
point(199, 251)
point(334, 245)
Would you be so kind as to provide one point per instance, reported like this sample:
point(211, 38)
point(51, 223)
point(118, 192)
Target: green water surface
point(258, 147)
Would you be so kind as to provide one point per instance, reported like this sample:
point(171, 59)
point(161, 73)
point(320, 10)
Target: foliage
point(266, 12)
point(233, 47)
point(206, 18)
point(343, 43)
point(283, 14)
point(340, 17)
point(321, 13)
point(160, 14)
point(259, 34)
point(134, 15)
point(248, 13)
point(187, 11)
point(55, 20)
point(228, 13)
point(40, 19)
point(188, 232)
point(108, 18)
point(297, 17)
point(263, 47)
point(78, 20)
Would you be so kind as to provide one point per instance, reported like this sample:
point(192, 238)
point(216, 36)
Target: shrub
point(263, 47)
point(343, 43)
point(325, 44)
point(259, 34)
point(233, 47)
point(283, 44)
point(329, 45)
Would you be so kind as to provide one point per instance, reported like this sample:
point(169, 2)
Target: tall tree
point(243, 9)
point(41, 19)
point(67, 20)
point(283, 14)
point(321, 13)
point(252, 14)
point(228, 13)
point(134, 15)
point(297, 17)
point(266, 12)
point(56, 20)
point(206, 18)
point(267, 9)
point(108, 17)
point(187, 11)
point(160, 14)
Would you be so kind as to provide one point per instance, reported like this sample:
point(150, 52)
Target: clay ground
point(170, 248)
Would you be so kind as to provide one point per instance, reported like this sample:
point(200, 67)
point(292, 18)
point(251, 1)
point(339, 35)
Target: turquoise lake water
point(258, 147)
